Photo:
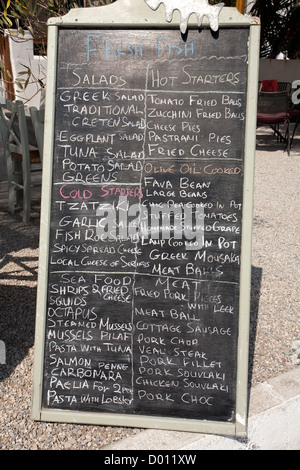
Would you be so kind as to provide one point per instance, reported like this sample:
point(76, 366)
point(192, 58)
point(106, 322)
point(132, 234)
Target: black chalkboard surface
point(142, 314)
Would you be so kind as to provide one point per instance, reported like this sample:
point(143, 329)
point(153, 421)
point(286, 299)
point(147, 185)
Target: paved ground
point(274, 424)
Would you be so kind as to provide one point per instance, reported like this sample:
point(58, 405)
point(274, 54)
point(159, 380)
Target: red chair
point(273, 111)
point(269, 86)
point(272, 86)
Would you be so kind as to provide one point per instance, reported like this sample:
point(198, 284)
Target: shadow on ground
point(18, 286)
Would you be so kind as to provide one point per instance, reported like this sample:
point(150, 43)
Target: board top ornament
point(147, 14)
point(187, 8)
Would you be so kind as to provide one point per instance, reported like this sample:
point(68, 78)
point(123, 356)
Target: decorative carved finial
point(186, 8)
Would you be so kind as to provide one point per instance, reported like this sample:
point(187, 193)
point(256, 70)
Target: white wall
point(281, 70)
point(21, 53)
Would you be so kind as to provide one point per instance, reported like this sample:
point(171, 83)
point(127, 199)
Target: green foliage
point(32, 14)
point(280, 27)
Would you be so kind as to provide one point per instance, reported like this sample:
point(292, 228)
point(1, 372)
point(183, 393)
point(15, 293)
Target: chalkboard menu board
point(142, 299)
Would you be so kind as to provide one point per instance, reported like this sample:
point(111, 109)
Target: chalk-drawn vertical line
point(135, 256)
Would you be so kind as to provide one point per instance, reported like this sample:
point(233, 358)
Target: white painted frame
point(133, 14)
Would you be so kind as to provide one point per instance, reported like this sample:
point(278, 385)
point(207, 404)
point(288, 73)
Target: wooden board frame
point(136, 14)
